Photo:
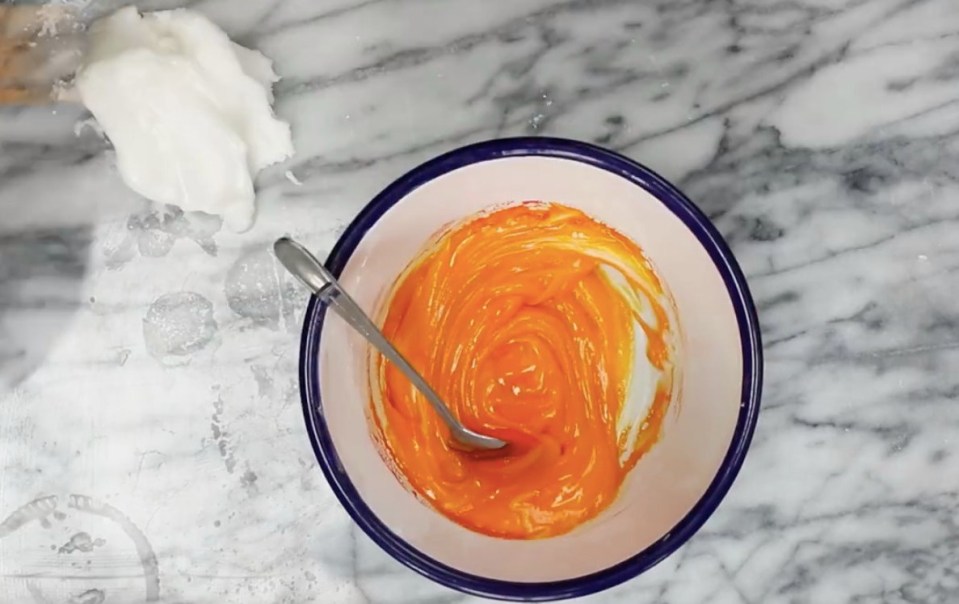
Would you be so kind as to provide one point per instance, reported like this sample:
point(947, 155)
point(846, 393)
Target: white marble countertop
point(151, 438)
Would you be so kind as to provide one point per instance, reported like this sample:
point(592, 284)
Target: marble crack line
point(415, 56)
point(833, 56)
point(330, 14)
point(807, 71)
point(857, 317)
point(221, 437)
point(846, 251)
point(871, 355)
point(731, 578)
point(355, 564)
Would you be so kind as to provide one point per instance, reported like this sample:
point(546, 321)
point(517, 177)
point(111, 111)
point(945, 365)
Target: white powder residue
point(188, 111)
point(90, 123)
point(290, 176)
point(51, 17)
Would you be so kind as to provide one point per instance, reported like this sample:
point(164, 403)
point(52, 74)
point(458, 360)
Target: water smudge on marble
point(38, 509)
point(178, 323)
point(91, 596)
point(221, 437)
point(148, 559)
point(42, 508)
point(154, 233)
point(264, 381)
point(81, 542)
point(248, 480)
point(258, 289)
point(122, 355)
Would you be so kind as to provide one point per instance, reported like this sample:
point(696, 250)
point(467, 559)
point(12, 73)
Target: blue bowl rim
point(746, 317)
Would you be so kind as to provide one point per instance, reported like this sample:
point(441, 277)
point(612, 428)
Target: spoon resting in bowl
point(304, 266)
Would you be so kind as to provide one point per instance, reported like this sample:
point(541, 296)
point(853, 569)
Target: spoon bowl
point(310, 271)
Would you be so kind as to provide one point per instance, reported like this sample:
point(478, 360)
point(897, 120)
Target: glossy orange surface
point(524, 321)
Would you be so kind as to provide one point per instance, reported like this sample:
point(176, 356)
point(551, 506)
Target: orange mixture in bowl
point(525, 321)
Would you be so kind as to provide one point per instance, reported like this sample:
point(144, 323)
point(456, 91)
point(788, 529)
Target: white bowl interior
point(666, 483)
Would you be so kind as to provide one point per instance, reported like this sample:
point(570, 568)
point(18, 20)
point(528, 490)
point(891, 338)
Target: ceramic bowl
point(672, 490)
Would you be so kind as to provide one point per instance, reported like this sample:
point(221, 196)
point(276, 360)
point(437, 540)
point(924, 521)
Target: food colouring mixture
point(545, 328)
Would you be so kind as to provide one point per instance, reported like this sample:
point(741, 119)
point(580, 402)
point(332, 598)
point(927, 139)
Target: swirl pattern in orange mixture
point(524, 321)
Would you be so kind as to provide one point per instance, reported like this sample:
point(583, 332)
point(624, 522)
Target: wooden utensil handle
point(30, 38)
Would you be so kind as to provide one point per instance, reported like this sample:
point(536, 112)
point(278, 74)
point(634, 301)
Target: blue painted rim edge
point(746, 318)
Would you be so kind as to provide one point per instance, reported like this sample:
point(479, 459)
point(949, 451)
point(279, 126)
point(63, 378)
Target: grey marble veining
point(152, 439)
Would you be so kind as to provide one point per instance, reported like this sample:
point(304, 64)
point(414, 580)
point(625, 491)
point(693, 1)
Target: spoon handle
point(305, 267)
point(348, 309)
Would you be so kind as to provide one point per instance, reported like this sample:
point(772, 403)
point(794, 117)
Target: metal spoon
point(305, 267)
